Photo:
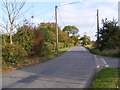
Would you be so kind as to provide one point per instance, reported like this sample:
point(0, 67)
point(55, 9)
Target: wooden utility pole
point(57, 23)
point(98, 27)
point(56, 28)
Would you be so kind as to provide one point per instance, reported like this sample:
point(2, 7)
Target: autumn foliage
point(37, 41)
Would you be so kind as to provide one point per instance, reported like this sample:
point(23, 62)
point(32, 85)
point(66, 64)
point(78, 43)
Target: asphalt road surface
point(75, 69)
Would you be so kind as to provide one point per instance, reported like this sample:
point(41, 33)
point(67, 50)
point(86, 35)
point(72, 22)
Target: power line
point(61, 17)
point(94, 22)
point(42, 13)
point(70, 3)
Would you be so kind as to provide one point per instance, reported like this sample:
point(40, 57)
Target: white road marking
point(98, 66)
point(96, 61)
point(106, 65)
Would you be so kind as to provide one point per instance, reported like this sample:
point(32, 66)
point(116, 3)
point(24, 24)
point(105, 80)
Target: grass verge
point(111, 53)
point(107, 78)
point(33, 60)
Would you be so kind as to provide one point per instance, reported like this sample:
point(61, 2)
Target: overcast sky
point(81, 14)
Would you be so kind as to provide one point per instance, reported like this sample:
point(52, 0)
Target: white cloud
point(84, 17)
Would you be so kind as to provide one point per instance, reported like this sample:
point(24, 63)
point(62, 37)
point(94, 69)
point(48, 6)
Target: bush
point(38, 41)
point(24, 37)
point(13, 54)
point(46, 49)
point(61, 45)
point(5, 39)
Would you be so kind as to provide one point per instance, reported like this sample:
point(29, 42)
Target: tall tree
point(109, 35)
point(12, 12)
point(71, 30)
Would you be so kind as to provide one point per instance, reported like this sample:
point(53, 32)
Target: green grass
point(107, 52)
point(111, 53)
point(60, 52)
point(107, 78)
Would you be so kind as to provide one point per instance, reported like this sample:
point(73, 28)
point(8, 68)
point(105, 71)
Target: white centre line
point(106, 65)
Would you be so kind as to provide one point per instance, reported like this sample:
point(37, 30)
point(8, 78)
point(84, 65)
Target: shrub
point(24, 37)
point(38, 41)
point(5, 39)
point(61, 45)
point(46, 49)
point(13, 54)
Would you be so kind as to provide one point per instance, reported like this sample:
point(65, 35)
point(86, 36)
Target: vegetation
point(109, 43)
point(34, 42)
point(12, 11)
point(107, 78)
point(109, 35)
point(7, 67)
point(85, 40)
point(13, 55)
point(111, 53)
point(71, 30)
point(24, 37)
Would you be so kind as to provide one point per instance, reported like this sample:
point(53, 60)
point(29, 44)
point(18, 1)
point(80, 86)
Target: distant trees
point(109, 35)
point(75, 39)
point(85, 40)
point(71, 30)
point(73, 35)
point(64, 38)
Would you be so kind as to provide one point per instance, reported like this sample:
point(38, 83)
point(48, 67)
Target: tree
point(63, 36)
point(109, 35)
point(71, 30)
point(49, 24)
point(76, 39)
point(48, 33)
point(12, 12)
point(85, 40)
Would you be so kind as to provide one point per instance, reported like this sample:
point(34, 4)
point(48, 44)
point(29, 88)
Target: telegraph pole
point(56, 28)
point(56, 24)
point(98, 27)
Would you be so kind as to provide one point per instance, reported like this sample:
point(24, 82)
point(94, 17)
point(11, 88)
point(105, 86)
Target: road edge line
point(106, 65)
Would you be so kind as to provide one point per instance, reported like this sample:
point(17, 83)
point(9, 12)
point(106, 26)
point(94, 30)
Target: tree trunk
point(11, 30)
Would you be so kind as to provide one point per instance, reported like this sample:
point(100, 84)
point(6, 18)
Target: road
point(74, 69)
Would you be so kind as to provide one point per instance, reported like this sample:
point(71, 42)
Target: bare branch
point(13, 10)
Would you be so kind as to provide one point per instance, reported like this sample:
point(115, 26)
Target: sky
point(81, 14)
